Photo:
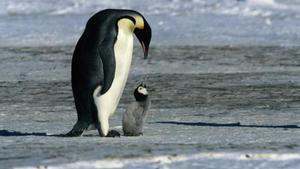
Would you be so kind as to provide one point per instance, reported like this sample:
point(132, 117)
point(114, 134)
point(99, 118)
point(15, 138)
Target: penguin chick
point(133, 118)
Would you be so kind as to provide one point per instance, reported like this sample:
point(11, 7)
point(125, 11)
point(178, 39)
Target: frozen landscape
point(223, 76)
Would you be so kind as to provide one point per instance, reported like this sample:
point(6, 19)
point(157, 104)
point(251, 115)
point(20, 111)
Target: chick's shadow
point(227, 125)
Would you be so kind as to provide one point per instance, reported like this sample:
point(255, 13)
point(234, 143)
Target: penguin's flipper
point(78, 129)
point(107, 56)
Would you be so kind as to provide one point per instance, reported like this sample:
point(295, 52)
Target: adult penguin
point(101, 63)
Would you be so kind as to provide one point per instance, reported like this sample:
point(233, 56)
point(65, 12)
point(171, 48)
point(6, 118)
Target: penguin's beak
point(144, 36)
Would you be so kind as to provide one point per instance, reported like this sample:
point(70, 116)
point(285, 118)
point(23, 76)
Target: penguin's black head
point(141, 28)
point(143, 34)
point(141, 93)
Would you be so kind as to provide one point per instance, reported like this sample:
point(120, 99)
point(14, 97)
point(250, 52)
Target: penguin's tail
point(78, 129)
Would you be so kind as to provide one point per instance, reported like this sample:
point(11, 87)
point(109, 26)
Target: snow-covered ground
point(221, 107)
point(195, 161)
point(184, 22)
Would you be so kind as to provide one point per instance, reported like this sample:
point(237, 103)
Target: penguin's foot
point(78, 129)
point(113, 133)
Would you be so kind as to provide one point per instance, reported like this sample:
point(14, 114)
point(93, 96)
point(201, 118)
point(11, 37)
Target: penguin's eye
point(140, 88)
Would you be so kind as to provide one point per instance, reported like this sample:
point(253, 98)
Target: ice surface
point(211, 106)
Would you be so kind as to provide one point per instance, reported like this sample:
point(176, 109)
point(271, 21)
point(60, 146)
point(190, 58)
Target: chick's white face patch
point(143, 90)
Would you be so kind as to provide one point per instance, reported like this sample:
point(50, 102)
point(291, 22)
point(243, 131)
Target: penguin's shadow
point(202, 124)
point(7, 133)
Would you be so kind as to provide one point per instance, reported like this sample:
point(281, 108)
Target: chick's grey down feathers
point(133, 118)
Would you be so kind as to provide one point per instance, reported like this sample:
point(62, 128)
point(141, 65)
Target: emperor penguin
point(134, 117)
point(101, 63)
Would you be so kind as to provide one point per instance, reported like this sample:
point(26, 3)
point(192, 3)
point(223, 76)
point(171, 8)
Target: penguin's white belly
point(108, 102)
